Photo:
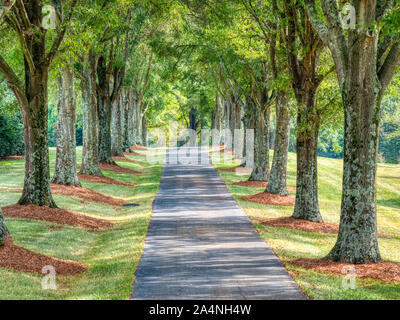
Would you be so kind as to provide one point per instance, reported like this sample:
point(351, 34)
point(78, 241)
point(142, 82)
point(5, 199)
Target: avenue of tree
point(284, 68)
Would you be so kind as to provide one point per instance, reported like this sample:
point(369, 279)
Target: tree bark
point(65, 171)
point(137, 123)
point(261, 144)
point(90, 151)
point(126, 117)
point(307, 206)
point(277, 178)
point(144, 131)
point(117, 146)
point(37, 169)
point(3, 229)
point(358, 236)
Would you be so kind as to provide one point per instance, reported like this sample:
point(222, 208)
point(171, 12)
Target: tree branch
point(60, 36)
point(13, 82)
point(389, 67)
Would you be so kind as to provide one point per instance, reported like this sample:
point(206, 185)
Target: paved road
point(201, 245)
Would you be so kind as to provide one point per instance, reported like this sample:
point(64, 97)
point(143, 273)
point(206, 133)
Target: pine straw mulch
point(128, 159)
point(385, 270)
point(304, 225)
point(257, 184)
point(83, 193)
point(270, 199)
point(56, 215)
point(12, 158)
point(106, 180)
point(117, 168)
point(18, 258)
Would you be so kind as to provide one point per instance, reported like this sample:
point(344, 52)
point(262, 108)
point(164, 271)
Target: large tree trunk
point(65, 171)
point(307, 206)
point(277, 178)
point(3, 229)
point(358, 240)
point(137, 123)
point(37, 169)
point(90, 151)
point(261, 144)
point(117, 146)
point(144, 131)
point(126, 117)
point(104, 109)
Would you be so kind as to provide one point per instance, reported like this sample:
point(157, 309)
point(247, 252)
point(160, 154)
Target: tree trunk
point(137, 123)
point(125, 119)
point(35, 116)
point(144, 131)
point(117, 147)
point(277, 178)
point(90, 151)
point(307, 206)
point(104, 108)
point(261, 144)
point(358, 240)
point(65, 171)
point(3, 229)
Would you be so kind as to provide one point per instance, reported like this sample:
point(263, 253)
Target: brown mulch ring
point(138, 147)
point(135, 154)
point(304, 225)
point(238, 169)
point(257, 184)
point(127, 159)
point(18, 258)
point(117, 168)
point(106, 180)
point(86, 194)
point(56, 215)
point(12, 158)
point(271, 199)
point(83, 193)
point(385, 270)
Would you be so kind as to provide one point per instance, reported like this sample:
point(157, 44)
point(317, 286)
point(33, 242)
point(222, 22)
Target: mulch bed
point(12, 158)
point(135, 154)
point(106, 180)
point(117, 168)
point(257, 184)
point(385, 270)
point(304, 225)
point(56, 215)
point(237, 169)
point(138, 147)
point(83, 193)
point(17, 258)
point(128, 159)
point(271, 199)
point(86, 194)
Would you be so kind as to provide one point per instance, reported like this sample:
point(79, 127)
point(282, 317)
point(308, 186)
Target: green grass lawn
point(112, 255)
point(291, 244)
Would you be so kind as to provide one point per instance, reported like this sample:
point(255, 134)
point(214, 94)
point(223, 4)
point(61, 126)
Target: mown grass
point(291, 244)
point(111, 256)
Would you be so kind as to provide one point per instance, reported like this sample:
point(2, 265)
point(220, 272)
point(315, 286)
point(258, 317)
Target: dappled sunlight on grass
point(291, 244)
point(112, 255)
